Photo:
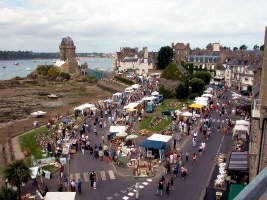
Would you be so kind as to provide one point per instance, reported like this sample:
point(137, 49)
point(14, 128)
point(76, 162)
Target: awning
point(151, 98)
point(235, 189)
point(207, 95)
point(131, 105)
point(155, 93)
point(194, 105)
point(160, 137)
point(238, 161)
point(242, 122)
point(60, 196)
point(151, 144)
point(85, 106)
point(117, 129)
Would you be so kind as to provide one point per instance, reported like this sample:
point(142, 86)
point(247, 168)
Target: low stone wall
point(111, 85)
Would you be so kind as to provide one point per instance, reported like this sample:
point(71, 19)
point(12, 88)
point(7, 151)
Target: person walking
point(172, 183)
point(79, 186)
point(91, 177)
point(160, 188)
point(194, 157)
point(72, 186)
point(168, 188)
point(186, 156)
point(184, 172)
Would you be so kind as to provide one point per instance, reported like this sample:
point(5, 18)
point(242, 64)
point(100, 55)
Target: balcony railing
point(256, 108)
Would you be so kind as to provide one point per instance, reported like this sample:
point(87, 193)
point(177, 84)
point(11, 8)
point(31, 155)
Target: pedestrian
point(79, 186)
point(184, 172)
point(103, 139)
point(83, 149)
point(160, 188)
point(172, 183)
point(72, 186)
point(94, 184)
point(194, 157)
point(194, 141)
point(168, 188)
point(186, 156)
point(91, 177)
point(65, 182)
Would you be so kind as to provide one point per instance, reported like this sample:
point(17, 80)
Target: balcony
point(256, 108)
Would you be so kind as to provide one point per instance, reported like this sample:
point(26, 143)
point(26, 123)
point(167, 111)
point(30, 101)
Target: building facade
point(258, 133)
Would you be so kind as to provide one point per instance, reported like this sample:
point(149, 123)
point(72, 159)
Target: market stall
point(83, 108)
point(60, 196)
point(156, 145)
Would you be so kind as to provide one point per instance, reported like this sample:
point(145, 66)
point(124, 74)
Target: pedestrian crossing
point(100, 175)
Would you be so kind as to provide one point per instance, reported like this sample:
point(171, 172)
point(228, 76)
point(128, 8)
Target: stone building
point(180, 51)
point(67, 56)
point(258, 133)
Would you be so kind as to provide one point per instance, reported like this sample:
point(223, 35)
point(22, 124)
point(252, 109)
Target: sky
point(107, 25)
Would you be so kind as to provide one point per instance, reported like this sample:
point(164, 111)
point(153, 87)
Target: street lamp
point(6, 181)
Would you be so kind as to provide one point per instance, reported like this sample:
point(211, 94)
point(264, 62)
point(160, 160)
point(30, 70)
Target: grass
point(165, 105)
point(145, 123)
point(29, 142)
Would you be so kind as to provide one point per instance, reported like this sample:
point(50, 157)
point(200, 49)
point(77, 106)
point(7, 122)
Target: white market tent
point(117, 129)
point(131, 105)
point(38, 113)
point(160, 138)
point(155, 93)
point(201, 98)
point(34, 172)
point(207, 95)
point(187, 114)
point(85, 106)
point(208, 90)
point(203, 103)
point(151, 98)
point(60, 196)
point(129, 89)
point(242, 122)
point(135, 86)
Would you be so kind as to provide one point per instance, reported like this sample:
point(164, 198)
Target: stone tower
point(67, 54)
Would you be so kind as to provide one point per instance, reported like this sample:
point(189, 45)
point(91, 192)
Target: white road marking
point(130, 194)
point(103, 175)
point(111, 174)
point(125, 198)
point(145, 183)
point(149, 180)
point(141, 186)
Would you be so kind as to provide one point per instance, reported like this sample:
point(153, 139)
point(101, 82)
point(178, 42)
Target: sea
point(21, 68)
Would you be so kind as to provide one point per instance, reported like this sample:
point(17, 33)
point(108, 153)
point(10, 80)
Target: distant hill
point(13, 55)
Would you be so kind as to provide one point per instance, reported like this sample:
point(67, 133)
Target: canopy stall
point(85, 106)
point(208, 90)
point(197, 106)
point(131, 105)
point(136, 86)
point(60, 196)
point(117, 129)
point(149, 98)
point(34, 172)
point(155, 93)
point(240, 128)
point(187, 114)
point(203, 103)
point(242, 122)
point(207, 95)
point(157, 142)
point(117, 96)
point(238, 161)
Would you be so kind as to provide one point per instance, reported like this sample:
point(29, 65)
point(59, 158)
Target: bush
point(124, 80)
point(53, 72)
point(65, 75)
point(165, 92)
point(205, 76)
point(171, 72)
point(197, 85)
point(193, 95)
point(43, 69)
point(182, 91)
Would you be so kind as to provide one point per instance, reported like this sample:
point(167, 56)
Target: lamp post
point(6, 181)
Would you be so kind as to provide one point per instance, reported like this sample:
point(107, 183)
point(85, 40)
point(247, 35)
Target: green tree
point(43, 69)
point(235, 48)
point(165, 56)
point(8, 194)
point(262, 47)
point(205, 76)
point(243, 47)
point(256, 47)
point(171, 72)
point(165, 92)
point(182, 91)
point(197, 85)
point(53, 72)
point(17, 173)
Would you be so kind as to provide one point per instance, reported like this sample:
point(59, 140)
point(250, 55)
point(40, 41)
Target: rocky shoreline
point(20, 97)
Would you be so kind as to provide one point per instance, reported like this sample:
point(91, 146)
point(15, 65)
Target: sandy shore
point(18, 98)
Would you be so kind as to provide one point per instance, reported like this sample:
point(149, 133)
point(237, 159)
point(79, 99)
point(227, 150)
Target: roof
point(151, 144)
point(67, 41)
point(84, 106)
point(160, 137)
point(238, 161)
point(117, 129)
point(130, 59)
point(60, 196)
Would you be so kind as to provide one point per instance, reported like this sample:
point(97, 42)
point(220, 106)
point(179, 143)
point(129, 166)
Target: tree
point(197, 85)
point(53, 72)
point(182, 91)
point(165, 92)
point(256, 47)
point(204, 75)
point(8, 194)
point(262, 47)
point(243, 47)
point(235, 48)
point(171, 72)
point(165, 56)
point(17, 173)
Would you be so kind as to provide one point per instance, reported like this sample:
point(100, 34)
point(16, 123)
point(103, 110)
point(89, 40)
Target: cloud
point(106, 25)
